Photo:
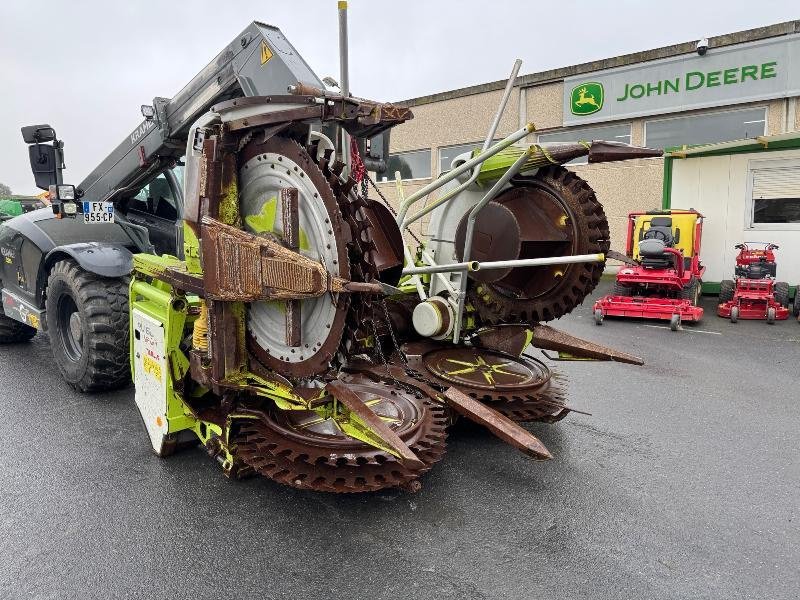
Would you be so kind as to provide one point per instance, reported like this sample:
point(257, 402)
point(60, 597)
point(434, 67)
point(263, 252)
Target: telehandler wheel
point(12, 331)
point(781, 293)
point(727, 289)
point(87, 320)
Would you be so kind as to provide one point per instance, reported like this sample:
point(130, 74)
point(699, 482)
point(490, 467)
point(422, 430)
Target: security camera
point(702, 46)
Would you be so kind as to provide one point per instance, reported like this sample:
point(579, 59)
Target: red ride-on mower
point(662, 275)
point(754, 294)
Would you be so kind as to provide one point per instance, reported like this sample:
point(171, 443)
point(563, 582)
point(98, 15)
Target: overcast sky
point(85, 66)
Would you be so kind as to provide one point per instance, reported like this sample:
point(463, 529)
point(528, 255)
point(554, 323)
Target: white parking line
point(692, 330)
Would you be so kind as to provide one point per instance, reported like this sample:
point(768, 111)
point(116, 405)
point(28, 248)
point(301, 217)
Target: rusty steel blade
point(624, 258)
point(348, 398)
point(603, 151)
point(547, 338)
point(500, 425)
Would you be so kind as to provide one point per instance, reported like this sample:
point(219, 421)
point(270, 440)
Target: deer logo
point(587, 98)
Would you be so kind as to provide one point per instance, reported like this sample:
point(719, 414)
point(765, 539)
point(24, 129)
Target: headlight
point(69, 208)
point(66, 192)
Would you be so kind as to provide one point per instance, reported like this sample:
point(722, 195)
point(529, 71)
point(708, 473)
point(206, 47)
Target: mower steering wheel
point(656, 234)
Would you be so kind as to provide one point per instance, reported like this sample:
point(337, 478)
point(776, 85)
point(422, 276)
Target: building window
point(412, 165)
point(708, 128)
point(609, 133)
point(447, 154)
point(775, 194)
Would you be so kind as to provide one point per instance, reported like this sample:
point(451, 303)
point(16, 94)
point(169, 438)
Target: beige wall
point(797, 114)
point(544, 105)
point(775, 117)
point(624, 187)
point(456, 121)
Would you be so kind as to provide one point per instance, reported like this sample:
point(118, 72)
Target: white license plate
point(98, 212)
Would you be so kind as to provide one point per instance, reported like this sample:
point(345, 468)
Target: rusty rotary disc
point(485, 369)
point(520, 387)
point(308, 449)
point(557, 214)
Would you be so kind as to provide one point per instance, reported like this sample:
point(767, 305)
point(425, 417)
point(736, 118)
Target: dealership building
point(746, 85)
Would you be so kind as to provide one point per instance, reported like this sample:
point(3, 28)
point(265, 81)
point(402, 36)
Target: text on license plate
point(98, 212)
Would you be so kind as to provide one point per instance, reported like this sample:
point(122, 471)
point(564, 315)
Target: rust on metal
point(306, 450)
point(247, 267)
point(225, 340)
point(602, 151)
point(558, 214)
point(342, 393)
point(496, 237)
point(483, 369)
point(547, 338)
point(291, 237)
point(624, 258)
point(510, 339)
point(500, 425)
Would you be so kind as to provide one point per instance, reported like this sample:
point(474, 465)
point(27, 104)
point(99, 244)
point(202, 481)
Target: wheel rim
point(70, 328)
point(268, 168)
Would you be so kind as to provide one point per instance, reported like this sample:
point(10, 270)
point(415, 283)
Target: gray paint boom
point(258, 62)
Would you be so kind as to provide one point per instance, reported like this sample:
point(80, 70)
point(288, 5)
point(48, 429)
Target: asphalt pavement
point(683, 483)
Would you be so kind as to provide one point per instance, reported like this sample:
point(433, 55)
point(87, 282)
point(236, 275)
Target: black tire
point(796, 305)
point(87, 320)
point(781, 293)
point(727, 288)
point(692, 291)
point(620, 289)
point(12, 332)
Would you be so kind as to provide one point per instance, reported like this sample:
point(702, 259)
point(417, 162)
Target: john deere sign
point(735, 74)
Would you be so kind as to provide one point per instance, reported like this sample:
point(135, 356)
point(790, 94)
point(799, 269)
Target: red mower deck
point(754, 294)
point(648, 307)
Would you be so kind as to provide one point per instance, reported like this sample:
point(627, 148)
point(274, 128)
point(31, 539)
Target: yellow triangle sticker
point(266, 53)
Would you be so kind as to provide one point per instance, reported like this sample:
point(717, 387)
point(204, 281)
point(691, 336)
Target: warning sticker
point(266, 53)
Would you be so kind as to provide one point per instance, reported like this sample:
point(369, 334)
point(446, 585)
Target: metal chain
point(388, 205)
point(389, 326)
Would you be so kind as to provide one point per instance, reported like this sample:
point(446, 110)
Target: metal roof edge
point(784, 141)
point(554, 75)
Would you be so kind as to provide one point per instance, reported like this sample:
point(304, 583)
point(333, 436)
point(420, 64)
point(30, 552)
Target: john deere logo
point(586, 98)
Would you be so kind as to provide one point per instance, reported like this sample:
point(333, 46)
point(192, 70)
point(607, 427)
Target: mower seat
point(661, 229)
point(759, 270)
point(653, 255)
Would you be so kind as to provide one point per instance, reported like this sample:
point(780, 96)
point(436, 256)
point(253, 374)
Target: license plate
point(98, 212)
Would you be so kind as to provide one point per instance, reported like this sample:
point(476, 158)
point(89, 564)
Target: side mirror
point(37, 134)
point(47, 160)
point(44, 164)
